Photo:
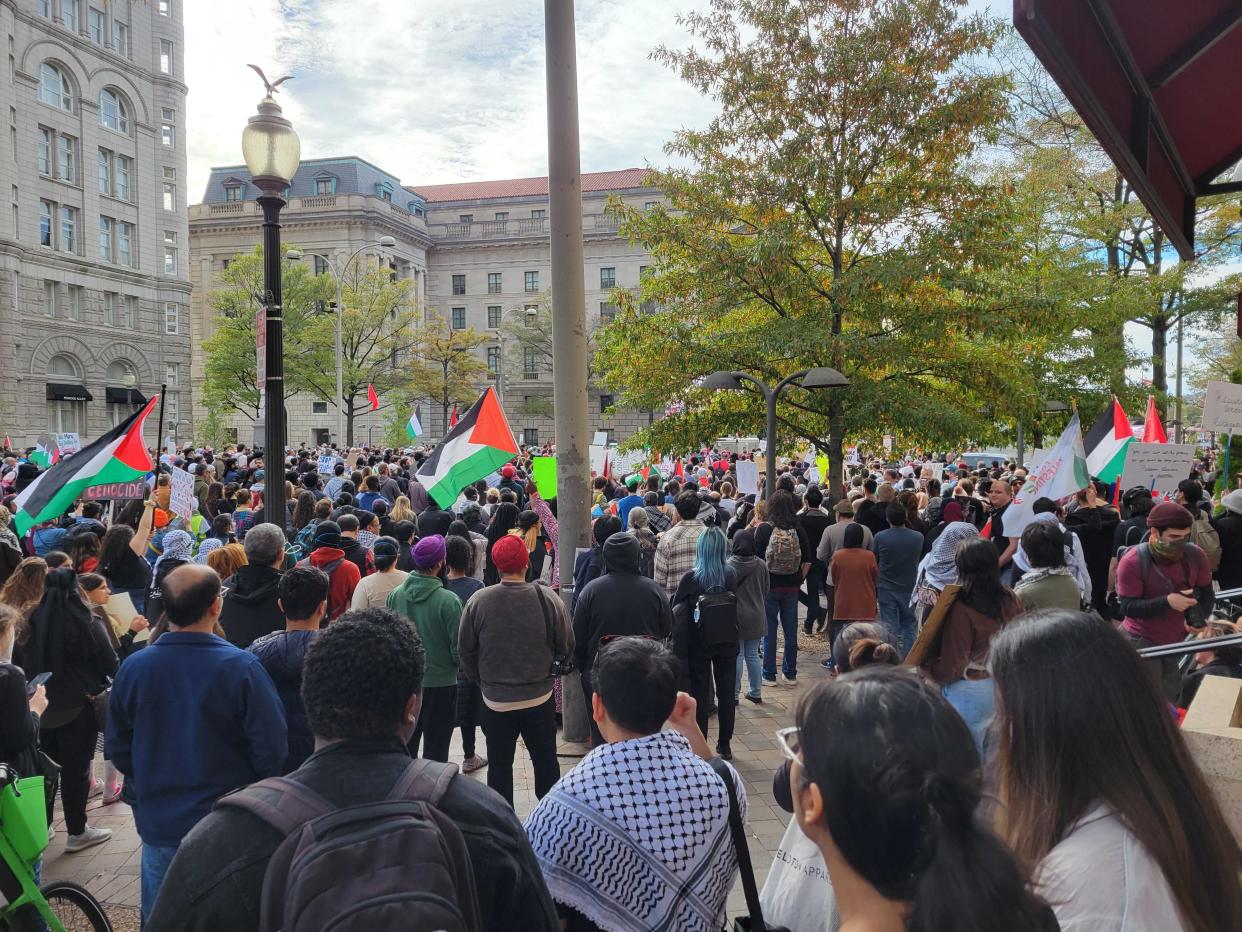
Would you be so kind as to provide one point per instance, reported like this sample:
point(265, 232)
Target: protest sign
point(598, 455)
point(821, 463)
point(543, 471)
point(117, 491)
point(747, 477)
point(327, 463)
point(600, 439)
point(181, 501)
point(626, 462)
point(1157, 466)
point(1222, 407)
point(68, 443)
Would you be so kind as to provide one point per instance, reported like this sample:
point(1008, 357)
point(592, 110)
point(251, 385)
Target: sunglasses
point(789, 740)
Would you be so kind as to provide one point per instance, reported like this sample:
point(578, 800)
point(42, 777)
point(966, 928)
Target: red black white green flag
point(479, 444)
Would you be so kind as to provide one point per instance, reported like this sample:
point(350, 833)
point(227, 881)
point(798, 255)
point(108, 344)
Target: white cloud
point(434, 90)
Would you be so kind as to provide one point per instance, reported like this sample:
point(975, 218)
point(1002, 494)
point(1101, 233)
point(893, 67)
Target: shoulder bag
point(754, 921)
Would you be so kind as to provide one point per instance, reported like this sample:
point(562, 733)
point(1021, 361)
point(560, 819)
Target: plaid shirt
point(675, 553)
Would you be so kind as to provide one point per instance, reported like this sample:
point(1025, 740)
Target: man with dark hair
point(678, 545)
point(898, 550)
point(333, 487)
point(1190, 496)
point(646, 804)
point(360, 685)
point(303, 597)
point(343, 575)
point(191, 717)
point(814, 520)
point(352, 547)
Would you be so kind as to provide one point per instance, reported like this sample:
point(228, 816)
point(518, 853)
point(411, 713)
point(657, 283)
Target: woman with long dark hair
point(304, 510)
point(1098, 788)
point(887, 782)
point(504, 519)
point(982, 605)
point(121, 557)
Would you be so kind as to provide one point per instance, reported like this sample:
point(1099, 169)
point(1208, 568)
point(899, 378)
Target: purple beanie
point(428, 552)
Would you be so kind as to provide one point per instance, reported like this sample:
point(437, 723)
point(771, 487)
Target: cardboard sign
point(68, 443)
point(600, 439)
point(747, 477)
point(181, 501)
point(598, 455)
point(1157, 466)
point(327, 463)
point(624, 463)
point(117, 491)
point(1222, 407)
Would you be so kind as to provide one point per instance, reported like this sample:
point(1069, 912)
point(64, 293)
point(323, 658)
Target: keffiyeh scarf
point(206, 547)
point(636, 837)
point(177, 545)
point(939, 568)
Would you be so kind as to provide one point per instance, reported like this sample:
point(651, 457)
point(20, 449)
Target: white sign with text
point(1157, 466)
point(1222, 407)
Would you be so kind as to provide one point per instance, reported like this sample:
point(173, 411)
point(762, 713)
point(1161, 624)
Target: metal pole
point(1177, 430)
point(159, 441)
point(569, 336)
point(340, 364)
point(273, 391)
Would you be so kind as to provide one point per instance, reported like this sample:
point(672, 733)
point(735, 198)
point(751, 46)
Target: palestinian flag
point(46, 453)
point(478, 445)
point(414, 426)
point(1106, 443)
point(120, 455)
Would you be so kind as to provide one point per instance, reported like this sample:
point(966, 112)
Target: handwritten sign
point(1157, 466)
point(600, 439)
point(117, 491)
point(626, 462)
point(327, 464)
point(181, 501)
point(747, 477)
point(68, 443)
point(598, 455)
point(1222, 407)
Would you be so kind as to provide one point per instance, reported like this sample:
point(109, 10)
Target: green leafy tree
point(229, 353)
point(446, 367)
point(528, 336)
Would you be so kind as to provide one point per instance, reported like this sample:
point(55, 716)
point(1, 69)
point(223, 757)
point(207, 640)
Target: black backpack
point(397, 863)
point(715, 617)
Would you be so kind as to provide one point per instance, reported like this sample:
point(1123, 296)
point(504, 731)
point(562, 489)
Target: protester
point(190, 718)
point(886, 782)
point(531, 531)
point(1000, 496)
point(1220, 661)
point(436, 613)
point(250, 609)
point(788, 553)
point(814, 521)
point(343, 575)
point(640, 530)
point(352, 547)
point(1094, 522)
point(621, 602)
point(20, 710)
point(361, 685)
point(458, 555)
point(898, 550)
point(630, 501)
point(303, 598)
point(938, 568)
point(677, 547)
point(1229, 529)
point(372, 592)
point(504, 519)
point(644, 805)
point(751, 572)
point(854, 573)
point(1131, 532)
point(1048, 584)
point(1100, 790)
point(120, 558)
point(510, 634)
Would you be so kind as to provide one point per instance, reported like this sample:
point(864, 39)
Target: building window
point(532, 282)
point(530, 436)
point(607, 278)
point(129, 312)
point(49, 298)
point(46, 209)
point(530, 362)
point(124, 244)
point(120, 177)
point(54, 88)
point(320, 265)
point(502, 216)
point(105, 171)
point(319, 407)
point(170, 255)
point(605, 402)
point(232, 192)
point(459, 284)
point(67, 159)
point(171, 318)
point(649, 205)
point(65, 416)
point(170, 196)
point(607, 312)
point(106, 225)
point(45, 150)
point(95, 25)
point(325, 185)
point(172, 374)
point(493, 282)
point(465, 218)
point(45, 8)
point(459, 318)
point(168, 136)
point(113, 111)
point(120, 38)
point(493, 359)
point(172, 412)
point(493, 316)
point(68, 229)
point(109, 309)
point(73, 307)
point(643, 272)
point(166, 56)
point(538, 214)
point(69, 14)
point(164, 7)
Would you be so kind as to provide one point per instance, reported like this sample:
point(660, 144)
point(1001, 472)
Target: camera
point(1194, 616)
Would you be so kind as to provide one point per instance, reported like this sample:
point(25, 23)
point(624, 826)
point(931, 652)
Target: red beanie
point(508, 472)
point(1169, 514)
point(509, 554)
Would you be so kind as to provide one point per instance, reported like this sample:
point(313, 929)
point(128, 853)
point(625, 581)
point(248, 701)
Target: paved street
point(111, 870)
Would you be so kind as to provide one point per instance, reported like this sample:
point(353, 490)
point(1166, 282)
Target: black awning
point(63, 391)
point(123, 396)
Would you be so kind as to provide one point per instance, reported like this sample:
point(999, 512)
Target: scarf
point(206, 547)
point(176, 548)
point(939, 568)
point(636, 837)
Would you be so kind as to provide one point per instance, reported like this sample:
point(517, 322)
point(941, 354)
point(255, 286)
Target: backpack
point(327, 569)
point(1204, 536)
point(715, 616)
point(397, 863)
point(783, 554)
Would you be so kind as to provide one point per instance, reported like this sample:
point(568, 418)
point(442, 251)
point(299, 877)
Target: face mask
point(1169, 549)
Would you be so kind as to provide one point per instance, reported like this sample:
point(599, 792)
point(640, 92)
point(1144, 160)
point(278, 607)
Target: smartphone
point(35, 683)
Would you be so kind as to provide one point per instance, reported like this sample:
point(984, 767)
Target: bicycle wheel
point(75, 908)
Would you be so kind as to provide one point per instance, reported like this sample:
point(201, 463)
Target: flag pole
point(159, 439)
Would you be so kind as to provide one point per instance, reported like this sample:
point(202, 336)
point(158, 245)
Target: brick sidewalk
point(111, 870)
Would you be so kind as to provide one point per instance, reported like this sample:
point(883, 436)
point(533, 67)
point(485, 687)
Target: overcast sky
point(436, 90)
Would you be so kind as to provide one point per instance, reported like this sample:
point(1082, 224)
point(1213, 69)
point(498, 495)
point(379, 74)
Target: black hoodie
point(620, 602)
point(250, 610)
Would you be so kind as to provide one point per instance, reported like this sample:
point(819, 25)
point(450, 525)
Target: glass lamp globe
point(271, 148)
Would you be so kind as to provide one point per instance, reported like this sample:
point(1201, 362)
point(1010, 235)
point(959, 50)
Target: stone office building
point(477, 251)
point(94, 295)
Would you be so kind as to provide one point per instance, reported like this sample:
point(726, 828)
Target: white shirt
point(1102, 879)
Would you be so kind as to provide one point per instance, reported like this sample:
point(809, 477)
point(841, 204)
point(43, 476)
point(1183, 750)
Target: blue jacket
point(190, 719)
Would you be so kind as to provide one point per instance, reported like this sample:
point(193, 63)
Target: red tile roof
point(526, 187)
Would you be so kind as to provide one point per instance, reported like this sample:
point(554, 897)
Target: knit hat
point(327, 534)
point(509, 554)
point(385, 547)
point(508, 471)
point(428, 552)
point(1233, 501)
point(1169, 514)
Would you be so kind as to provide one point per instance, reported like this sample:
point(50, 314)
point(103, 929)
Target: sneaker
point(96, 789)
point(113, 795)
point(472, 763)
point(88, 839)
point(51, 834)
point(757, 700)
point(723, 752)
point(789, 680)
point(769, 680)
point(828, 665)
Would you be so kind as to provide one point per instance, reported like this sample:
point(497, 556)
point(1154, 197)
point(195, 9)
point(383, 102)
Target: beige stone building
point(479, 254)
point(94, 291)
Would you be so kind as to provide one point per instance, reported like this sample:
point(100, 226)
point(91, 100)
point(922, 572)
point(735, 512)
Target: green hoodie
point(436, 613)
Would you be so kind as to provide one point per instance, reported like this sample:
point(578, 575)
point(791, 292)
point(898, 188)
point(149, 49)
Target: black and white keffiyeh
point(636, 837)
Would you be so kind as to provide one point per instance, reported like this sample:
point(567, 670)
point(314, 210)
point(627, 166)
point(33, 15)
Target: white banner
point(1061, 473)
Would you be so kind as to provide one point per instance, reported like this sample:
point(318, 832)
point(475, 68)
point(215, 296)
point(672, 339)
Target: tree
point(446, 367)
point(528, 337)
point(229, 353)
point(831, 217)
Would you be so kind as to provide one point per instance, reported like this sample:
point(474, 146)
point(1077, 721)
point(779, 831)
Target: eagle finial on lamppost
point(270, 85)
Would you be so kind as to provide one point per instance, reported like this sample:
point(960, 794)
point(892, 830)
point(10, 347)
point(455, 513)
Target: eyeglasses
point(789, 740)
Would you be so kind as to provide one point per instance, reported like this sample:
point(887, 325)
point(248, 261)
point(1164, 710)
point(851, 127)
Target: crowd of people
point(233, 676)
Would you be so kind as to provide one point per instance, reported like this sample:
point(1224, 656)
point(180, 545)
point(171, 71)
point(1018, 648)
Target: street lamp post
point(387, 242)
point(272, 152)
point(818, 377)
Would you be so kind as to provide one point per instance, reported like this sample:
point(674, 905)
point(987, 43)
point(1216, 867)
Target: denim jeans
point(898, 616)
point(975, 701)
point(782, 607)
point(754, 669)
point(155, 861)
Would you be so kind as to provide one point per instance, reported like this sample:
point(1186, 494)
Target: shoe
point(789, 680)
point(757, 700)
point(712, 710)
point(113, 795)
point(723, 751)
point(51, 834)
point(472, 763)
point(771, 680)
point(88, 839)
point(821, 625)
point(737, 701)
point(96, 789)
point(828, 665)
